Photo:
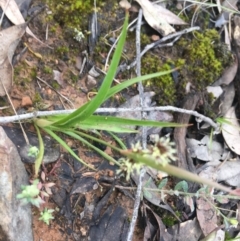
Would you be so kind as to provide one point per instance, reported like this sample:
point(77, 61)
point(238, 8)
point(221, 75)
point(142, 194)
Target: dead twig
point(157, 44)
point(24, 133)
point(144, 132)
point(8, 119)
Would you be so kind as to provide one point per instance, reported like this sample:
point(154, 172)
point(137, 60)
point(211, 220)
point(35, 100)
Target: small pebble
point(155, 37)
point(26, 101)
point(91, 82)
point(49, 91)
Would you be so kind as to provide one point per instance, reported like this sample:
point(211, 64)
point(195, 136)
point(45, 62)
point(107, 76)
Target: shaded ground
point(85, 203)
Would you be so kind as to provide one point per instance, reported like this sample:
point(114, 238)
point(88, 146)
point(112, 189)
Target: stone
point(15, 219)
point(26, 101)
point(51, 149)
point(91, 82)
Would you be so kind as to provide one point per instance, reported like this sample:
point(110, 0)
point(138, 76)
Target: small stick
point(144, 132)
point(65, 98)
point(24, 134)
point(7, 119)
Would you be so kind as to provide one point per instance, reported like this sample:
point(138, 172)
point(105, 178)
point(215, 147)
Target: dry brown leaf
point(159, 17)
point(206, 215)
point(9, 39)
point(230, 131)
point(13, 13)
point(229, 94)
point(228, 74)
point(58, 76)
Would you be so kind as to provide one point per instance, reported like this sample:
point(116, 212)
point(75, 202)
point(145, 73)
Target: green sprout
point(33, 151)
point(79, 36)
point(30, 194)
point(46, 215)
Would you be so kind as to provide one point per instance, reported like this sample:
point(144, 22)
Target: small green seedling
point(33, 151)
point(30, 194)
point(46, 215)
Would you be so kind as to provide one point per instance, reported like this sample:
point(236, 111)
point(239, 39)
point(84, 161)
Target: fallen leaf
point(230, 131)
point(236, 32)
point(153, 197)
point(186, 231)
point(206, 215)
point(229, 94)
point(34, 53)
point(159, 17)
point(161, 232)
point(228, 74)
point(230, 173)
point(216, 235)
point(58, 76)
point(9, 39)
point(13, 13)
point(205, 150)
point(216, 91)
point(224, 15)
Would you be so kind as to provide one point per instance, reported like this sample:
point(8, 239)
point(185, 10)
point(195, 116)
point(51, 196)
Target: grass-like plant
point(82, 122)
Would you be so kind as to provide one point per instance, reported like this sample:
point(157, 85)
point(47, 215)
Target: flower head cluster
point(79, 36)
point(163, 152)
point(128, 166)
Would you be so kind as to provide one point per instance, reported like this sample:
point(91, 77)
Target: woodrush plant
point(81, 123)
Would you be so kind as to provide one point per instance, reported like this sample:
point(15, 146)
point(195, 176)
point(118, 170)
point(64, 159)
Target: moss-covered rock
point(164, 86)
point(206, 57)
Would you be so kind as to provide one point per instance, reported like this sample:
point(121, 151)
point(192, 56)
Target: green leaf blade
point(87, 110)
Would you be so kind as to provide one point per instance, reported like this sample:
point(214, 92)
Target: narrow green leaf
point(118, 140)
point(163, 183)
point(98, 140)
point(64, 144)
point(182, 185)
point(89, 124)
point(116, 121)
point(222, 120)
point(40, 155)
point(114, 90)
point(84, 141)
point(84, 112)
point(147, 194)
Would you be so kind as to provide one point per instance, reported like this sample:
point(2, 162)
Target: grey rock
point(134, 102)
point(91, 82)
point(51, 149)
point(15, 219)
